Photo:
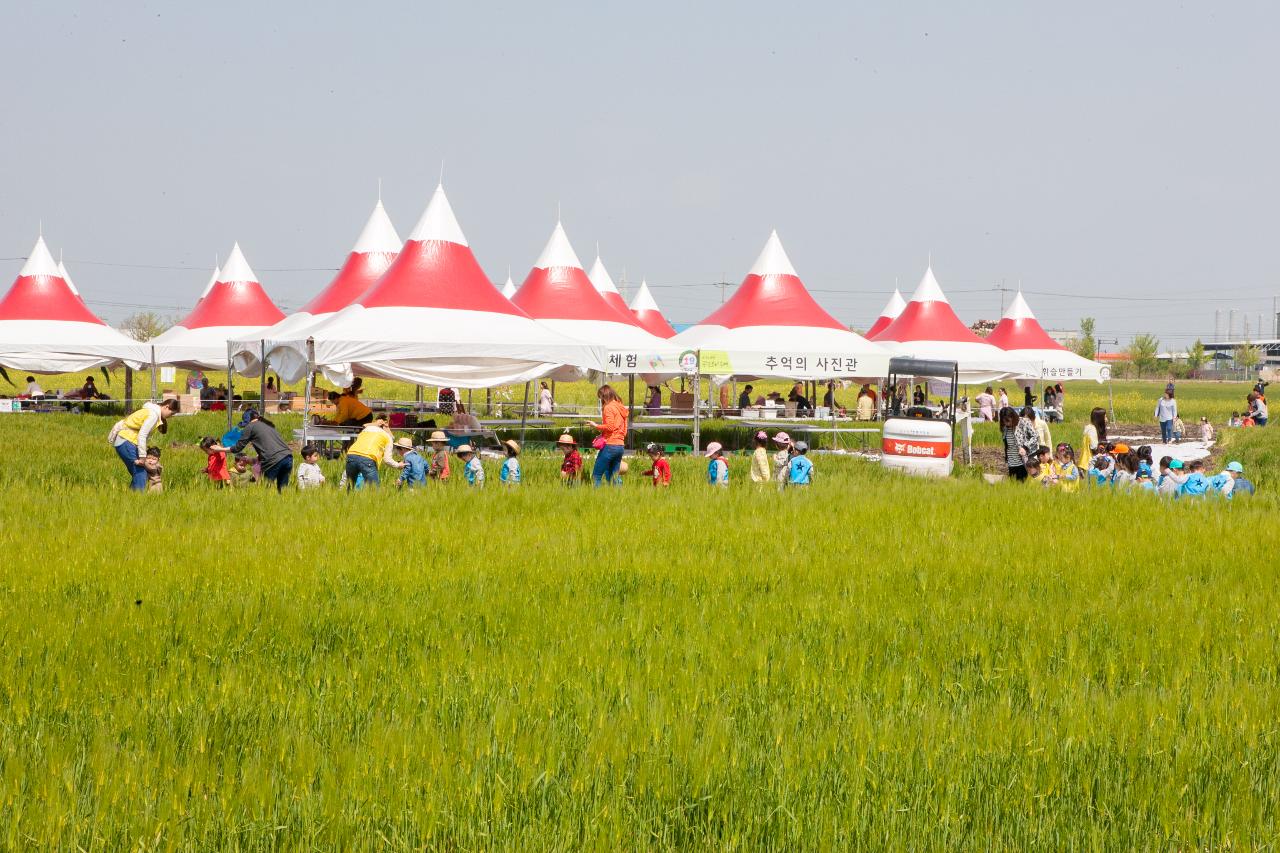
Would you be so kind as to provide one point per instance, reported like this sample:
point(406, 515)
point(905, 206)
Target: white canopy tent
point(233, 307)
point(434, 318)
point(1020, 332)
point(45, 326)
point(773, 327)
point(928, 328)
point(371, 256)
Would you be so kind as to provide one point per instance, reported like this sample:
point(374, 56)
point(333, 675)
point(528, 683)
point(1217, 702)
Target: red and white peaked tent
point(434, 318)
point(1020, 332)
point(603, 283)
point(772, 326)
point(236, 307)
point(891, 310)
point(558, 294)
point(370, 257)
point(45, 326)
point(928, 328)
point(509, 289)
point(647, 313)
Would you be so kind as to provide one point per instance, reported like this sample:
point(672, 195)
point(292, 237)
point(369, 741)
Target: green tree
point(1142, 353)
point(1086, 345)
point(145, 325)
point(1196, 357)
point(1246, 356)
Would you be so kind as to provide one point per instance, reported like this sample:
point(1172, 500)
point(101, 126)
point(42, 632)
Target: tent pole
point(1111, 401)
point(153, 374)
point(262, 377)
point(306, 403)
point(834, 435)
point(697, 405)
point(488, 402)
point(128, 388)
point(231, 388)
point(524, 413)
point(631, 400)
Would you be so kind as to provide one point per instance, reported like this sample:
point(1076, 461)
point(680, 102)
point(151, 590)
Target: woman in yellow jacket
point(372, 445)
point(613, 429)
point(129, 437)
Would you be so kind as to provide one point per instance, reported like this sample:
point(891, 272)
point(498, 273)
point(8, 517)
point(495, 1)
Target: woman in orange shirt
point(613, 429)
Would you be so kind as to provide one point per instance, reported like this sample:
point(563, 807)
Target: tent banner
point(627, 361)
point(792, 365)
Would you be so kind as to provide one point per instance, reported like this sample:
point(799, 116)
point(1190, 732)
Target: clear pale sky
point(1094, 150)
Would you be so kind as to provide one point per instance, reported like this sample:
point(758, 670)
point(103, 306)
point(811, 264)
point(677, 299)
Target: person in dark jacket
point(274, 456)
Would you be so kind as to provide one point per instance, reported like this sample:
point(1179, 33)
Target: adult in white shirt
point(1166, 413)
point(33, 388)
point(545, 403)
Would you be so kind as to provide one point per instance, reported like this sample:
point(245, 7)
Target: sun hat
point(1236, 467)
point(1122, 448)
point(566, 439)
point(623, 467)
point(1176, 464)
point(404, 443)
point(465, 448)
point(513, 444)
point(762, 435)
point(782, 438)
point(713, 448)
point(438, 436)
point(802, 447)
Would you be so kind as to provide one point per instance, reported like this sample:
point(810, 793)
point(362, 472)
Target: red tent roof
point(890, 313)
point(557, 288)
point(371, 256)
point(1019, 329)
point(648, 315)
point(40, 292)
point(927, 317)
point(436, 269)
point(772, 295)
point(235, 299)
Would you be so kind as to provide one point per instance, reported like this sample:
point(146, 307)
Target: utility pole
point(722, 284)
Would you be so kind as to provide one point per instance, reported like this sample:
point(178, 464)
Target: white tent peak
point(558, 252)
point(773, 259)
point(66, 276)
point(40, 261)
point(894, 306)
point(600, 277)
point(378, 234)
point(237, 268)
point(438, 221)
point(1018, 309)
point(213, 279)
point(928, 290)
point(643, 300)
point(509, 289)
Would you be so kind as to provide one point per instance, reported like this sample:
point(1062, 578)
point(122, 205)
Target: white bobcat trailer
point(919, 439)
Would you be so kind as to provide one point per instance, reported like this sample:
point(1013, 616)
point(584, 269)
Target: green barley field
point(876, 662)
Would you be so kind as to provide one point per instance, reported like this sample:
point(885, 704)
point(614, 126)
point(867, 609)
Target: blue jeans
point(362, 466)
point(1259, 421)
point(1166, 431)
point(128, 453)
point(279, 472)
point(607, 461)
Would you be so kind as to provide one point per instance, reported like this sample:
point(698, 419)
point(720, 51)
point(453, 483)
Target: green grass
point(874, 662)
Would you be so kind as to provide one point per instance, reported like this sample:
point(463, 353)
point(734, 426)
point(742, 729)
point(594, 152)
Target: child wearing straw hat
point(414, 473)
point(472, 470)
point(572, 465)
point(438, 469)
point(509, 474)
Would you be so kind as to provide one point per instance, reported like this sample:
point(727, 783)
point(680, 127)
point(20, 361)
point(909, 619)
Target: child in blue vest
point(1197, 483)
point(717, 468)
point(509, 475)
point(1100, 471)
point(800, 470)
point(1224, 482)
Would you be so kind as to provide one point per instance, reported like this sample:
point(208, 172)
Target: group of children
point(1120, 467)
